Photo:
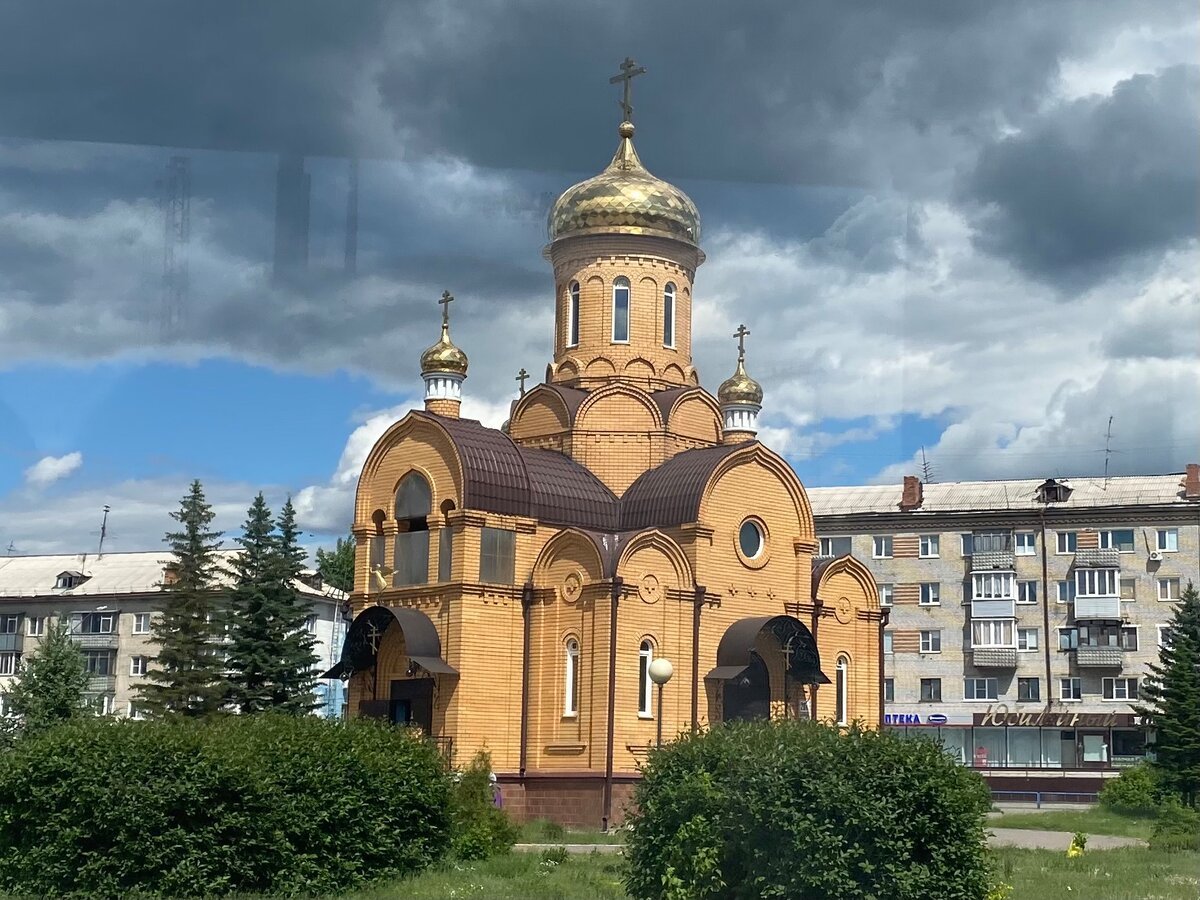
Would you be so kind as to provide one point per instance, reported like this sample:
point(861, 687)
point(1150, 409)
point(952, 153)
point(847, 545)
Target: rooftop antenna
point(927, 471)
point(11, 548)
point(103, 531)
point(1107, 450)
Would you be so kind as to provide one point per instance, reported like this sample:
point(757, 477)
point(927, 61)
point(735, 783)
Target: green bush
point(481, 829)
point(1177, 828)
point(1134, 792)
point(255, 804)
point(795, 809)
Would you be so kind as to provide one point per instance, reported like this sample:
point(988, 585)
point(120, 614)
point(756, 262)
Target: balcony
point(101, 684)
point(1098, 559)
point(988, 560)
point(96, 641)
point(1098, 609)
point(994, 609)
point(994, 657)
point(10, 642)
point(1100, 657)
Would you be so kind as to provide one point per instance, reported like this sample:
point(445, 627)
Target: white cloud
point(50, 469)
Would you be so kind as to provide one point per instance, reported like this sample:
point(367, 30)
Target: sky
point(960, 233)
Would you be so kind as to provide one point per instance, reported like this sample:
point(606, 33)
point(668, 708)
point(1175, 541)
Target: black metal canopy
point(737, 649)
point(361, 647)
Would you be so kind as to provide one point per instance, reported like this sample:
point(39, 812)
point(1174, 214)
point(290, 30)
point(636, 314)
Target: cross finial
point(629, 71)
point(447, 299)
point(521, 376)
point(741, 334)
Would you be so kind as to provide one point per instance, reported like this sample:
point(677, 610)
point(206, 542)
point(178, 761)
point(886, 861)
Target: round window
point(750, 539)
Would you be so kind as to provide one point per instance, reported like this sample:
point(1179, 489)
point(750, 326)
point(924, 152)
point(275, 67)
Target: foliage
point(1078, 844)
point(182, 807)
point(797, 809)
point(1177, 828)
point(1123, 873)
point(337, 566)
point(49, 685)
point(481, 829)
point(1171, 696)
point(1133, 792)
point(188, 677)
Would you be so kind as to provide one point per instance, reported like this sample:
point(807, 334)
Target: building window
point(980, 689)
point(835, 546)
point(887, 593)
point(1070, 688)
point(1065, 541)
point(992, 541)
point(68, 580)
point(1168, 540)
point(1119, 688)
point(843, 688)
point(1026, 543)
point(889, 690)
point(1128, 588)
point(750, 539)
point(35, 626)
point(620, 317)
point(928, 546)
point(573, 315)
point(1168, 589)
point(669, 315)
point(413, 502)
point(931, 642)
point(1029, 690)
point(310, 624)
point(136, 712)
point(1068, 638)
point(993, 585)
point(445, 553)
point(137, 665)
point(992, 633)
point(931, 690)
point(10, 624)
point(8, 663)
point(93, 623)
point(1120, 539)
point(1095, 582)
point(1129, 637)
point(141, 623)
point(497, 556)
point(1027, 592)
point(1164, 635)
point(102, 704)
point(1027, 638)
point(571, 679)
point(100, 663)
point(966, 543)
point(645, 657)
point(1064, 591)
point(887, 640)
point(931, 593)
point(881, 546)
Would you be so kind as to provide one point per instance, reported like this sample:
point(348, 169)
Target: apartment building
point(109, 602)
point(1023, 614)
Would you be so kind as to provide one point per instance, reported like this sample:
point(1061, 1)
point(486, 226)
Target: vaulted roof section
point(671, 493)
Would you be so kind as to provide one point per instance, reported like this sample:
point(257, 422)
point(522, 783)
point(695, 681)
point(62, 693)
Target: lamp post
point(660, 673)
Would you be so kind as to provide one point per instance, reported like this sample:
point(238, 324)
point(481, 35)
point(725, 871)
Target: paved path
point(571, 848)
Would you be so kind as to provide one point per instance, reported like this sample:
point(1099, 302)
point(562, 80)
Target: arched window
point(620, 318)
point(645, 657)
point(669, 315)
point(843, 689)
point(571, 679)
point(413, 501)
point(573, 315)
point(378, 547)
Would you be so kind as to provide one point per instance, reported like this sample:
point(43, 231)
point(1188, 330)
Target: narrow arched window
point(571, 679)
point(645, 657)
point(669, 315)
point(620, 317)
point(843, 690)
point(413, 502)
point(573, 315)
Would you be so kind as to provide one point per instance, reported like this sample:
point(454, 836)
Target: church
point(527, 590)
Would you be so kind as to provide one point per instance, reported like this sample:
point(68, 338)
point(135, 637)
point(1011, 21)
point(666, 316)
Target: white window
point(102, 704)
point(1164, 635)
point(93, 623)
point(137, 665)
point(1168, 589)
point(889, 690)
point(1027, 638)
point(1064, 591)
point(1070, 688)
point(141, 623)
point(887, 640)
point(1095, 582)
point(8, 663)
point(620, 311)
point(928, 546)
point(966, 543)
point(992, 633)
point(10, 624)
point(931, 642)
point(136, 712)
point(980, 689)
point(573, 315)
point(993, 585)
point(1027, 592)
point(843, 688)
point(571, 679)
point(881, 546)
point(35, 626)
point(310, 624)
point(669, 315)
point(835, 546)
point(1120, 539)
point(931, 593)
point(1129, 637)
point(1128, 588)
point(1065, 541)
point(1026, 543)
point(1119, 688)
point(887, 593)
point(645, 685)
point(1168, 540)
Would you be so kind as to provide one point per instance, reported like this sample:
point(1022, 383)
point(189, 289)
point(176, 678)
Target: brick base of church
point(572, 800)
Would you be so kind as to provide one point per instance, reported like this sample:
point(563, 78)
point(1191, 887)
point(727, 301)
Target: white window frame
point(1108, 689)
point(889, 690)
point(1121, 582)
point(1161, 630)
point(1166, 540)
point(138, 620)
point(622, 283)
point(1075, 688)
point(1020, 547)
point(1167, 583)
point(887, 642)
point(135, 712)
point(993, 586)
point(887, 593)
point(571, 678)
point(1096, 583)
point(966, 543)
point(1058, 590)
point(1025, 588)
point(881, 546)
point(991, 689)
point(931, 640)
point(931, 594)
point(310, 623)
point(1023, 636)
point(826, 548)
point(573, 314)
point(993, 633)
point(669, 294)
point(929, 546)
point(138, 666)
point(35, 626)
point(645, 657)
point(1106, 540)
point(8, 662)
point(1065, 542)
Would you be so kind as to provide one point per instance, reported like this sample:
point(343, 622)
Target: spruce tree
point(49, 685)
point(189, 676)
point(297, 677)
point(253, 632)
point(1171, 698)
point(337, 566)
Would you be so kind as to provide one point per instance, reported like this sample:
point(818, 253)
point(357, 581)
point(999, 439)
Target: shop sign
point(922, 719)
point(1000, 715)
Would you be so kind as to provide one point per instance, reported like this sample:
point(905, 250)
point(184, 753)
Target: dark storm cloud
point(1096, 180)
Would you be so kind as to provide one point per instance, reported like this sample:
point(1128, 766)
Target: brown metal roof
point(565, 493)
point(670, 494)
point(571, 398)
point(665, 399)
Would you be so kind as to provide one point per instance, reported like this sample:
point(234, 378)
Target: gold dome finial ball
point(740, 388)
point(625, 129)
point(444, 356)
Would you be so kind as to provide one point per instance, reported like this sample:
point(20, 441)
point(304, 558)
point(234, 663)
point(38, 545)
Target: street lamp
point(660, 673)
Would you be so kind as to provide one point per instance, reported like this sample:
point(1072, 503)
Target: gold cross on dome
point(741, 334)
point(629, 71)
point(521, 376)
point(447, 299)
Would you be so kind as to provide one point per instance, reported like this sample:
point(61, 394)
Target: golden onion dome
point(740, 388)
point(625, 199)
point(444, 356)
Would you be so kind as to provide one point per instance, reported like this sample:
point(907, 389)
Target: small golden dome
point(740, 388)
point(444, 356)
point(625, 199)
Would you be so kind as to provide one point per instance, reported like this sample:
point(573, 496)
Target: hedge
point(256, 804)
point(797, 809)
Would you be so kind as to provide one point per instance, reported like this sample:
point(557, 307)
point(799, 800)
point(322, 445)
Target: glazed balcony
point(11, 642)
point(1004, 608)
point(994, 657)
point(96, 641)
point(1100, 657)
point(1097, 609)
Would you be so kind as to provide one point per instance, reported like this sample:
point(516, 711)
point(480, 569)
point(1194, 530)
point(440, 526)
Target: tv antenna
point(1107, 450)
point(928, 472)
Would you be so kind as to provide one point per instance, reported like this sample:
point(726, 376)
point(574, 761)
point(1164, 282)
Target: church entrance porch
point(412, 703)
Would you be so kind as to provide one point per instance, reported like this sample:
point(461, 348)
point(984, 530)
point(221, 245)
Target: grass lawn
point(1089, 821)
point(542, 832)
